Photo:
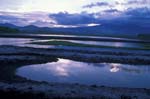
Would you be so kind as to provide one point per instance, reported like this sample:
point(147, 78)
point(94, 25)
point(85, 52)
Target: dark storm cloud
point(140, 16)
point(96, 4)
point(132, 20)
point(65, 18)
point(139, 12)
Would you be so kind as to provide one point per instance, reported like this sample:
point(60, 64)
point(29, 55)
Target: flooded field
point(29, 43)
point(14, 41)
point(75, 67)
point(102, 74)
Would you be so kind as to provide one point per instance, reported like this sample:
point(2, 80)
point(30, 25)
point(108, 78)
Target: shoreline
point(20, 56)
point(108, 39)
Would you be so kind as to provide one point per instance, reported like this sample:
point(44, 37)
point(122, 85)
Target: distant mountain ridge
point(107, 28)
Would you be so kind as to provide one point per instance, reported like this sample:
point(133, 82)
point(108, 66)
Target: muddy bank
point(9, 64)
point(97, 56)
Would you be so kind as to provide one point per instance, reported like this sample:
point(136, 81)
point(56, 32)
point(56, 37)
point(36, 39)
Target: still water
point(107, 74)
point(14, 41)
point(27, 43)
point(113, 44)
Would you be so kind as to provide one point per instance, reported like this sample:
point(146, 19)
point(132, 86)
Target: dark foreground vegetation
point(12, 94)
point(4, 29)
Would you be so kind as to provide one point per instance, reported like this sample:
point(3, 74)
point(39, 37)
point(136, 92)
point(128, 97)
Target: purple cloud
point(22, 19)
point(65, 18)
point(132, 17)
point(138, 12)
point(129, 18)
point(111, 11)
point(96, 4)
point(134, 2)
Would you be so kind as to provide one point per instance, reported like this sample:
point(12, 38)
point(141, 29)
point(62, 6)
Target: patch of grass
point(67, 43)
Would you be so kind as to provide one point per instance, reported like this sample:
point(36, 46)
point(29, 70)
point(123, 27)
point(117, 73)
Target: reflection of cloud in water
point(63, 67)
point(14, 41)
point(118, 44)
point(114, 67)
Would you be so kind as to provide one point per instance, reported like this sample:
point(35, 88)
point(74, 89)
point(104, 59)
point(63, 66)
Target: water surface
point(107, 74)
point(27, 43)
point(14, 41)
point(103, 43)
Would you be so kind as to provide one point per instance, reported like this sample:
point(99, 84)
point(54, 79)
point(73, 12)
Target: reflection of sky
point(111, 74)
point(61, 69)
point(114, 67)
point(24, 42)
point(101, 43)
point(13, 41)
point(64, 67)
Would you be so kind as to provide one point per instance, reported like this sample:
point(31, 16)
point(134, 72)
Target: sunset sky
point(72, 13)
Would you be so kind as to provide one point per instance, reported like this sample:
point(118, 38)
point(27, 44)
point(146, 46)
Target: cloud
point(139, 16)
point(41, 19)
point(22, 19)
point(131, 2)
point(100, 4)
point(65, 18)
point(126, 21)
point(139, 12)
point(138, 1)
point(111, 11)
point(133, 17)
point(10, 5)
point(12, 18)
point(131, 21)
point(120, 5)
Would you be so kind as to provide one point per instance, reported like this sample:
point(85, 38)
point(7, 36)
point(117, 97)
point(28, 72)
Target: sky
point(73, 13)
